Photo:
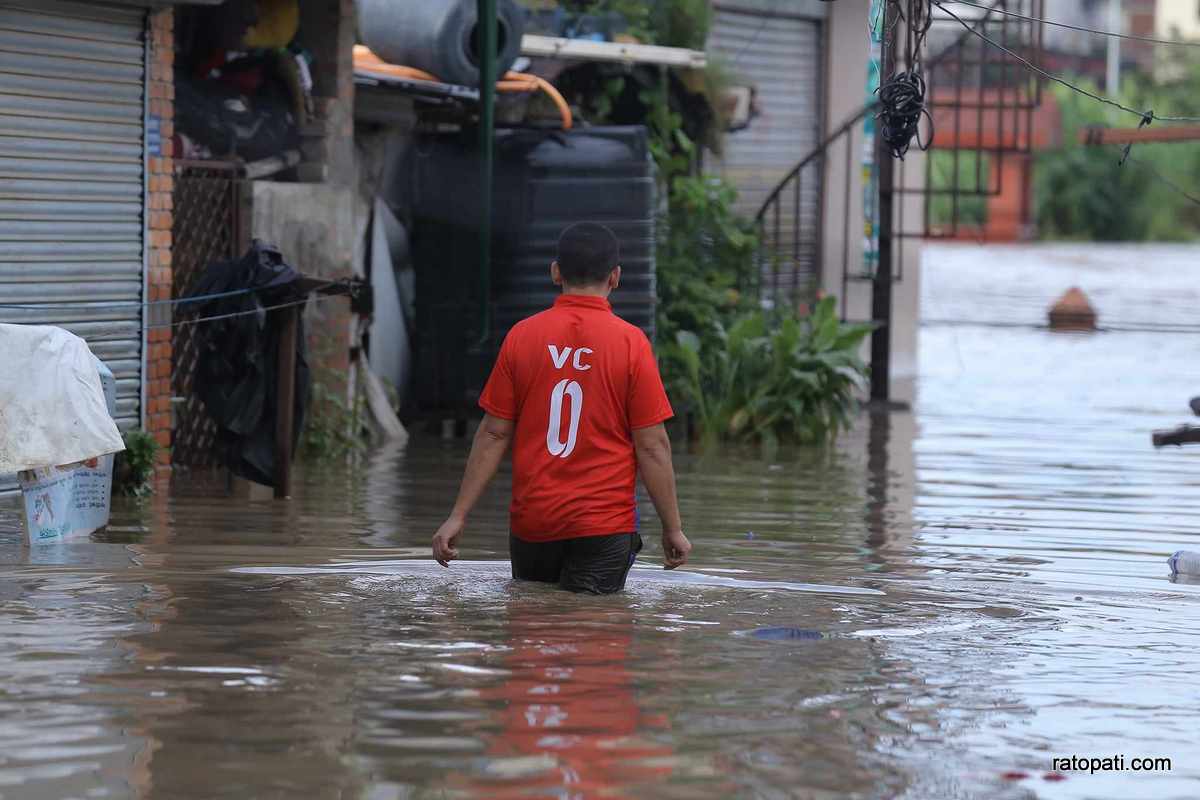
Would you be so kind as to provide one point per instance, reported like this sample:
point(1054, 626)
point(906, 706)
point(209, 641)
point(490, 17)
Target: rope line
point(128, 303)
point(138, 304)
point(234, 314)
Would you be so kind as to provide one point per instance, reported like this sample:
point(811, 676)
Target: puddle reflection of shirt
point(571, 700)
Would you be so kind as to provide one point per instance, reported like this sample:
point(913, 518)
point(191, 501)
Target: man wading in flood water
point(576, 391)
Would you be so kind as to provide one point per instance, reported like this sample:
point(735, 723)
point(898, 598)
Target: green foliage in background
point(703, 248)
point(672, 149)
point(133, 469)
point(743, 374)
point(670, 23)
point(972, 182)
point(683, 23)
point(333, 426)
point(770, 379)
point(1083, 192)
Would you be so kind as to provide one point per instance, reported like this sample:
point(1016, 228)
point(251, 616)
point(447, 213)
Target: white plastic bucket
point(49, 495)
point(70, 500)
point(93, 479)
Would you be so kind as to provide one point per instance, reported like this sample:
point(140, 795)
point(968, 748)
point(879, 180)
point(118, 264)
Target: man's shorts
point(590, 564)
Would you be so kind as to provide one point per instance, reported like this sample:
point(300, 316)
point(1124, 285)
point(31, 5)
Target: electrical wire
point(918, 17)
point(902, 102)
point(1146, 117)
point(1162, 178)
point(768, 18)
point(902, 95)
point(1143, 115)
point(1080, 28)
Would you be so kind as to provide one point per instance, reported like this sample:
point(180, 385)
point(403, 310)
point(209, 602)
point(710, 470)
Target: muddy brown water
point(937, 607)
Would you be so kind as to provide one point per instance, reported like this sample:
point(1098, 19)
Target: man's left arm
point(487, 451)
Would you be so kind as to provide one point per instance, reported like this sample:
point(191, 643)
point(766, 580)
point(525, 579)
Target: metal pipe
point(1112, 81)
point(881, 296)
point(486, 29)
point(288, 322)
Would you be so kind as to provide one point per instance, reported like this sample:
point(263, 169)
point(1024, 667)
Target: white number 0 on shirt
point(554, 442)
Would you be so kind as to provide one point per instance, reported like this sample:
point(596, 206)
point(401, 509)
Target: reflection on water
point(938, 607)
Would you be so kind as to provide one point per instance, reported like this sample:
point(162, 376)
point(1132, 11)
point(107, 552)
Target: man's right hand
point(675, 549)
point(445, 539)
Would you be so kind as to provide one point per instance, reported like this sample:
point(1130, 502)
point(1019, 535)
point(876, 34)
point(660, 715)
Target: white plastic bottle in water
point(1185, 562)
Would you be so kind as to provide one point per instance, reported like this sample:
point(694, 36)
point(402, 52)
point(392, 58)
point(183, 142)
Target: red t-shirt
point(577, 380)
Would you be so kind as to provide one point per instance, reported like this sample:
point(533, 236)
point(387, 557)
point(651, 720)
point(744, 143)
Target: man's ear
point(556, 273)
point(614, 278)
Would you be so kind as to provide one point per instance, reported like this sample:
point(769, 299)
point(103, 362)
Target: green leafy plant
point(133, 469)
point(333, 427)
point(683, 23)
point(705, 251)
point(602, 103)
point(650, 96)
point(771, 380)
point(672, 149)
point(636, 15)
point(671, 23)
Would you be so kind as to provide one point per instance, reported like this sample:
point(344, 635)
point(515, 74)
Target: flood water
point(937, 608)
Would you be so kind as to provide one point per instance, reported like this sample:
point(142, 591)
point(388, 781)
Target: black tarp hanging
point(236, 371)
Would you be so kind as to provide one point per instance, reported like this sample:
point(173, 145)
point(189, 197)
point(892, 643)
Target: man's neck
point(588, 291)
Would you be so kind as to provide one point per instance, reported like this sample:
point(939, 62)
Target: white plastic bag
point(52, 406)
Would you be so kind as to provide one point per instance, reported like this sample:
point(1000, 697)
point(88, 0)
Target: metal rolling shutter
point(779, 52)
point(72, 175)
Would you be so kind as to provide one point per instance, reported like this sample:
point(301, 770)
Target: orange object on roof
point(367, 62)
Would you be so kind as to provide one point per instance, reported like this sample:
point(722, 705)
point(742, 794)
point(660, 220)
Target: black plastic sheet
point(237, 368)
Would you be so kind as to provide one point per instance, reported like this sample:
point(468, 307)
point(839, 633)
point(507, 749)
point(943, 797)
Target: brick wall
point(160, 204)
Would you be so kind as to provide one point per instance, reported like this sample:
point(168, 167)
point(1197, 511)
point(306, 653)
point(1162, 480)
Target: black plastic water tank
point(544, 182)
point(596, 175)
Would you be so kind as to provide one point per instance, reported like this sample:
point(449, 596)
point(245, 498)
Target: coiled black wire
point(902, 104)
point(902, 97)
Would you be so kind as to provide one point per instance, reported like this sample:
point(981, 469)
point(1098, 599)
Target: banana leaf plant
point(770, 378)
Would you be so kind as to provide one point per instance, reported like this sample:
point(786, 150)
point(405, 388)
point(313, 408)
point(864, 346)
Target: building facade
point(89, 179)
point(86, 97)
point(799, 166)
point(1178, 19)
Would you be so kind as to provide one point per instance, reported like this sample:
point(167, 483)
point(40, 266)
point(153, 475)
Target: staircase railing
point(790, 222)
point(976, 86)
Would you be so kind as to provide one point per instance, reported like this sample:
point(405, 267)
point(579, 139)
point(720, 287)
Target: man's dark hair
point(587, 253)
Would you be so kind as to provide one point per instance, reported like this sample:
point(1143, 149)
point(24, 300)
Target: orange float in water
point(1073, 312)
